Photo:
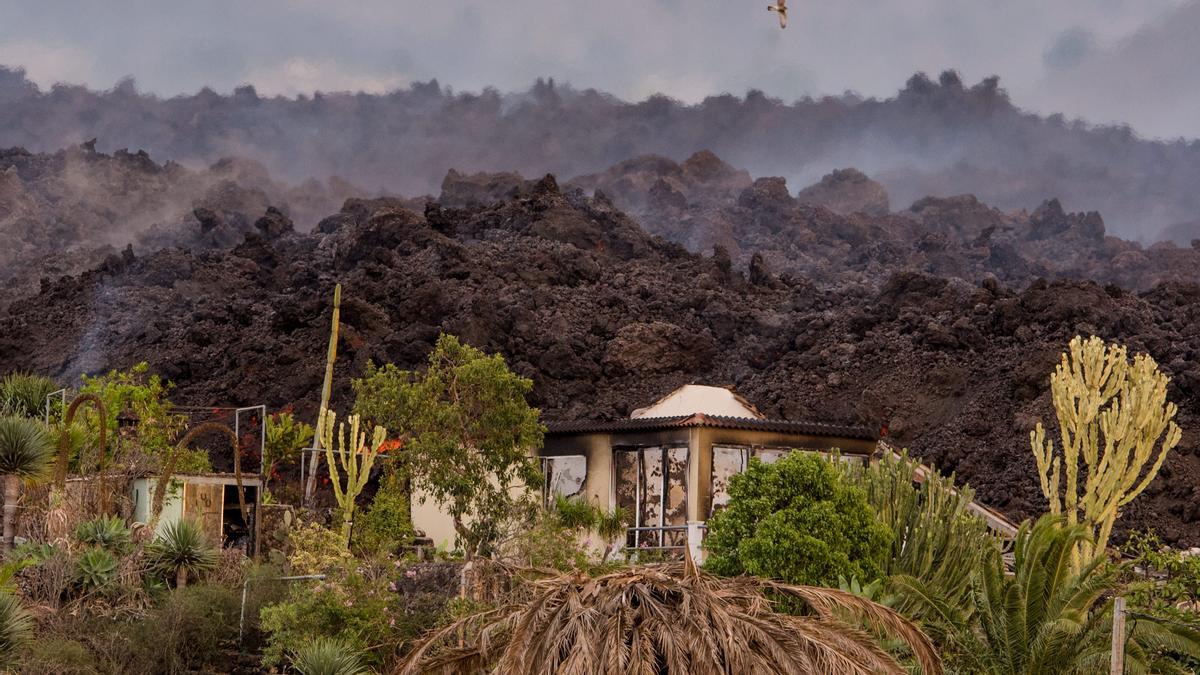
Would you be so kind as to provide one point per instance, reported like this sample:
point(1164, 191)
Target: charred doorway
point(651, 486)
point(235, 531)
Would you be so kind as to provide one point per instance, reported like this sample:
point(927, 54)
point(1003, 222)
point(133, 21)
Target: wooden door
point(205, 504)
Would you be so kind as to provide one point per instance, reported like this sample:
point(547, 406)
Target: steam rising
point(932, 138)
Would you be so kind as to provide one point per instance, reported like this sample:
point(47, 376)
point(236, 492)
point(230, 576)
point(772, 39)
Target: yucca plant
point(16, 629)
point(26, 453)
point(182, 550)
point(24, 394)
point(328, 656)
point(674, 619)
point(108, 532)
point(95, 569)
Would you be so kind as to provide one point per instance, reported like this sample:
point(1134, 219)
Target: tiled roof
point(715, 421)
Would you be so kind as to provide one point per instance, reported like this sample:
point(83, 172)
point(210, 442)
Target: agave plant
point(95, 569)
point(108, 532)
point(16, 629)
point(674, 619)
point(26, 453)
point(328, 656)
point(24, 394)
point(182, 550)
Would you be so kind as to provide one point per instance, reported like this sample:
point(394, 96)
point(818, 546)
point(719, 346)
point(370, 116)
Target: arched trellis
point(164, 478)
point(64, 447)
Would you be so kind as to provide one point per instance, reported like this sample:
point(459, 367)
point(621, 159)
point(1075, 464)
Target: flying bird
point(780, 8)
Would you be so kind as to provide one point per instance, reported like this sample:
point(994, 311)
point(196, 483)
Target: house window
point(651, 485)
point(564, 477)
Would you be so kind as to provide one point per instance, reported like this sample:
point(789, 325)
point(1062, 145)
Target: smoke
point(931, 138)
point(1147, 79)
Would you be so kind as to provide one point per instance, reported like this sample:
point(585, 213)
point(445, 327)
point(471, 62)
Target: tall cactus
point(355, 457)
point(326, 388)
point(1114, 419)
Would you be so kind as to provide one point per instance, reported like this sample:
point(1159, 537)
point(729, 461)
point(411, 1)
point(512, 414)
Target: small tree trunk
point(181, 576)
point(12, 486)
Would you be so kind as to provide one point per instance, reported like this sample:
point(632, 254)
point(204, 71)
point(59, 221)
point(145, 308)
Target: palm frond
point(673, 619)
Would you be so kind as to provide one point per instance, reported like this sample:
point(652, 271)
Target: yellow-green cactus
point(1114, 420)
point(355, 457)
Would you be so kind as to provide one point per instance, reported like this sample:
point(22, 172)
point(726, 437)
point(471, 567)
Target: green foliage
point(96, 570)
point(26, 448)
point(146, 395)
point(355, 608)
point(24, 394)
point(286, 437)
point(190, 628)
point(1044, 618)
point(189, 631)
point(315, 550)
point(465, 416)
point(575, 513)
point(327, 656)
point(58, 656)
point(181, 550)
point(550, 538)
point(387, 522)
point(797, 520)
point(107, 532)
point(937, 539)
point(16, 629)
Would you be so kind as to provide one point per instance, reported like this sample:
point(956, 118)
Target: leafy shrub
point(108, 532)
point(797, 520)
point(325, 656)
point(187, 631)
point(354, 607)
point(96, 570)
point(315, 549)
point(546, 541)
point(386, 523)
point(181, 550)
point(58, 656)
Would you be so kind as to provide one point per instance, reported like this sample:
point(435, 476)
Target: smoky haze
point(933, 137)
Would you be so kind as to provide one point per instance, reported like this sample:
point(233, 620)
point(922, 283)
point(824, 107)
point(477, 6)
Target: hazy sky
point(1104, 60)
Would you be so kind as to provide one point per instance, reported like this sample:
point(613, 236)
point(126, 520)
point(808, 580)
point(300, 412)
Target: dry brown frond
point(672, 619)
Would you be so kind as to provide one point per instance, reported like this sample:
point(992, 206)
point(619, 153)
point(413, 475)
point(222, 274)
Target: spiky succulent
point(328, 656)
point(108, 532)
point(183, 550)
point(26, 448)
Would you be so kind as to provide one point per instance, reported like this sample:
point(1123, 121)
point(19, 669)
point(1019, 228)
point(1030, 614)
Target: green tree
point(1116, 427)
point(26, 453)
point(384, 396)
point(467, 419)
point(145, 394)
point(1044, 617)
point(937, 539)
point(797, 520)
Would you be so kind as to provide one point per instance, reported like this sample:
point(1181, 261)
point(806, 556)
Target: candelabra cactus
point(355, 456)
point(1114, 420)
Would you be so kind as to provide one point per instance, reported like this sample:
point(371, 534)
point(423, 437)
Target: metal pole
point(1118, 637)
